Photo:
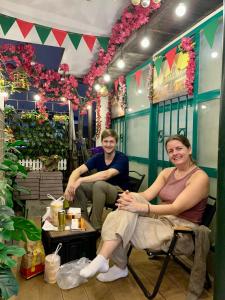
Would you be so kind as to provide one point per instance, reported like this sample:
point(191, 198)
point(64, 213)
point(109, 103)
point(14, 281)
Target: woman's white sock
point(113, 273)
point(99, 264)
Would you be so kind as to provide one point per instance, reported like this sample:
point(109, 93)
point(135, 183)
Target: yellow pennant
point(182, 60)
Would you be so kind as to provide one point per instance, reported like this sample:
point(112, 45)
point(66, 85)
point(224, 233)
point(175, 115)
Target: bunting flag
point(210, 31)
point(43, 32)
point(116, 83)
point(182, 60)
point(138, 77)
point(90, 40)
point(25, 27)
point(6, 23)
point(158, 64)
point(59, 35)
point(103, 41)
point(170, 56)
point(75, 38)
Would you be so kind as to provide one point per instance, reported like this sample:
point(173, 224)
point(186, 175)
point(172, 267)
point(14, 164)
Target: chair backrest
point(135, 181)
point(209, 211)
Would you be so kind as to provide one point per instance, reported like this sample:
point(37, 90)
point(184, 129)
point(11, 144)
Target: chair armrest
point(183, 229)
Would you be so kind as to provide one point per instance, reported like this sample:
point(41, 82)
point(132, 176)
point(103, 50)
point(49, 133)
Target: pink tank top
point(173, 188)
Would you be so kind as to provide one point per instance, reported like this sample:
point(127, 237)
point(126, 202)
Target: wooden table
point(75, 244)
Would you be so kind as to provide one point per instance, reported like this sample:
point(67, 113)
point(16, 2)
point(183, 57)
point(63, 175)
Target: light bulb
point(107, 77)
point(214, 54)
point(145, 3)
point(88, 107)
point(37, 97)
point(145, 42)
point(180, 10)
point(139, 91)
point(120, 63)
point(97, 87)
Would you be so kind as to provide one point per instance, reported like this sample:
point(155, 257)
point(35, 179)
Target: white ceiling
point(93, 17)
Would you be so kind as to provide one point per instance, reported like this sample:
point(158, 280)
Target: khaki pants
point(143, 232)
point(100, 193)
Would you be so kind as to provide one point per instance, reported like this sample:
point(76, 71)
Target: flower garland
point(121, 94)
point(51, 85)
point(98, 118)
point(108, 115)
point(133, 18)
point(187, 45)
point(150, 83)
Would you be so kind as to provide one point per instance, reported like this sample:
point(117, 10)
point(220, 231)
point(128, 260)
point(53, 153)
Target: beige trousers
point(143, 232)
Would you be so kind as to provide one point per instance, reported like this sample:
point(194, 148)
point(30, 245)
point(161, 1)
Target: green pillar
point(219, 286)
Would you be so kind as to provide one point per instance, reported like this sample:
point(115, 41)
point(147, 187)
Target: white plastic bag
point(68, 275)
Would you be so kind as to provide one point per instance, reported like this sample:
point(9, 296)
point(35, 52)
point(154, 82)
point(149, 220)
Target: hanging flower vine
point(187, 45)
point(133, 18)
point(98, 118)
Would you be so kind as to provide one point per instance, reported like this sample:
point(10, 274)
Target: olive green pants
point(99, 193)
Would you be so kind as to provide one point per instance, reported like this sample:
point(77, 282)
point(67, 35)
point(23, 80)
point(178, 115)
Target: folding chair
point(207, 218)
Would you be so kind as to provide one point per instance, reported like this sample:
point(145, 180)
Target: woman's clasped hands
point(128, 202)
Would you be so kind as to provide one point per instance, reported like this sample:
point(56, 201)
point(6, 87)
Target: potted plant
point(12, 228)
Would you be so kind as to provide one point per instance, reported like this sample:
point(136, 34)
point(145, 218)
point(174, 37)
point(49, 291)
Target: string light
point(145, 42)
point(106, 77)
point(120, 63)
point(180, 10)
point(97, 87)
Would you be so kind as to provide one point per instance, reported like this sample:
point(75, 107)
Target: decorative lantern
point(104, 91)
point(20, 80)
point(135, 2)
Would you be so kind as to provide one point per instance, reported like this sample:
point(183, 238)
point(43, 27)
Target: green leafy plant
point(44, 137)
point(12, 227)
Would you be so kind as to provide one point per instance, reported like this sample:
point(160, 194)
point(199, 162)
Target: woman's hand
point(127, 202)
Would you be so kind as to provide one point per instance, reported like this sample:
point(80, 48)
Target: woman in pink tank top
point(183, 190)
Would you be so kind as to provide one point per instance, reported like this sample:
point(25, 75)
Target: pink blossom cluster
point(51, 85)
point(98, 118)
point(133, 18)
point(187, 45)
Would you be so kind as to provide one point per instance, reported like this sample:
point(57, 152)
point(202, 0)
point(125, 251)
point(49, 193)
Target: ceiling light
point(203, 106)
point(120, 63)
point(88, 107)
point(145, 42)
point(180, 10)
point(145, 3)
point(214, 54)
point(37, 97)
point(106, 77)
point(139, 91)
point(97, 87)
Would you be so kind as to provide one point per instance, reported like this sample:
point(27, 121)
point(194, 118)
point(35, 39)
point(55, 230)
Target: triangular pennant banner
point(138, 77)
point(158, 64)
point(170, 56)
point(116, 83)
point(59, 35)
point(90, 40)
point(43, 32)
point(210, 31)
point(75, 38)
point(182, 60)
point(103, 41)
point(25, 27)
point(6, 23)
